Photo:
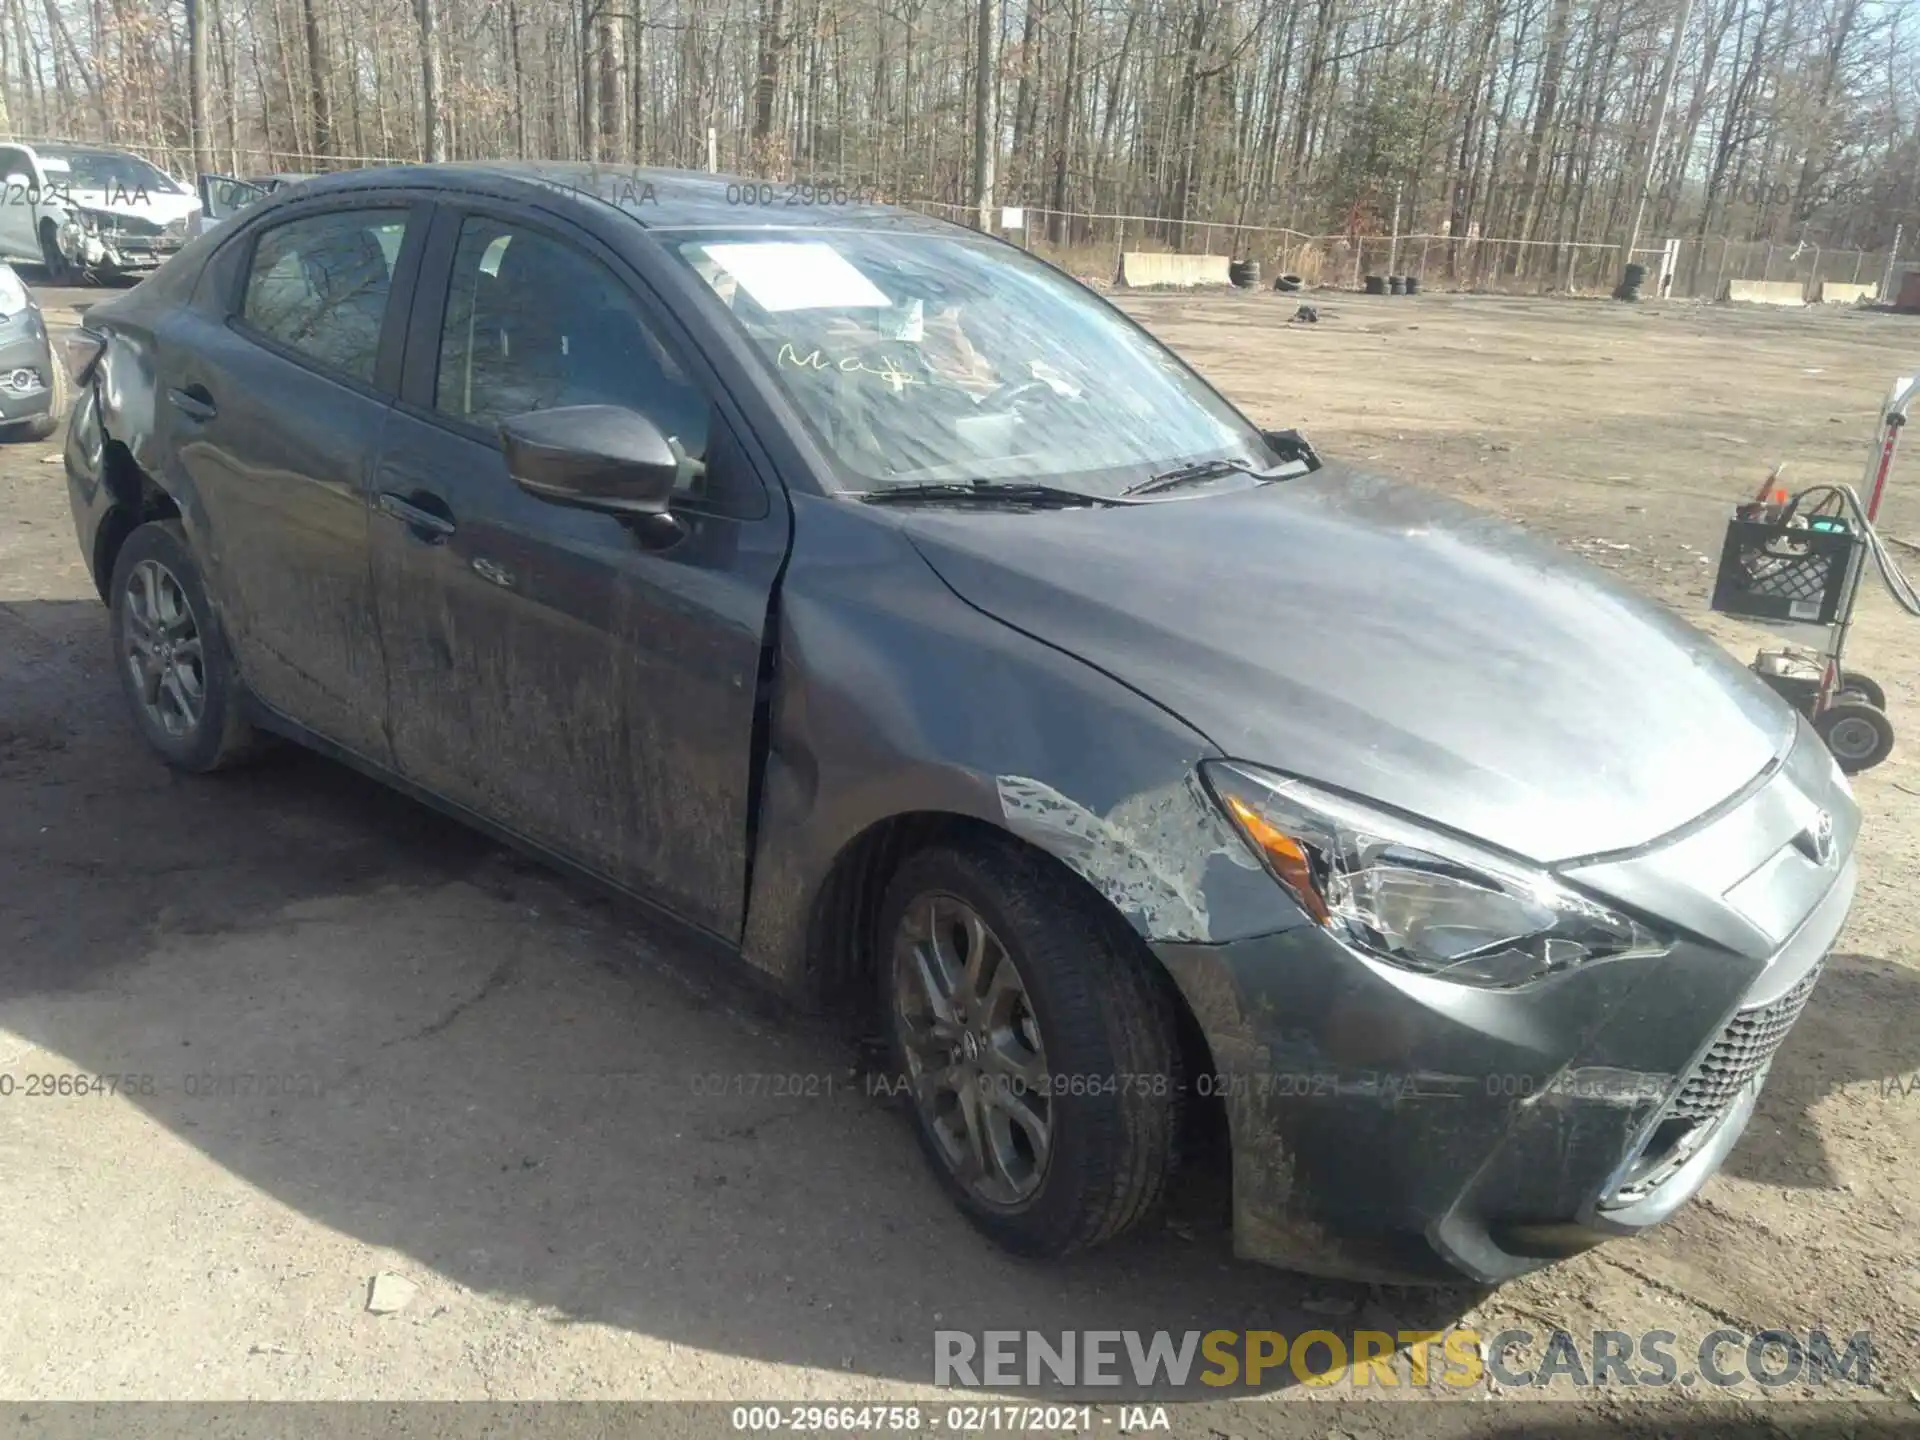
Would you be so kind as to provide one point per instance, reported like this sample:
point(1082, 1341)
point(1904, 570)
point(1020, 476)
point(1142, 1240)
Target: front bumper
point(1393, 1127)
point(26, 368)
point(119, 249)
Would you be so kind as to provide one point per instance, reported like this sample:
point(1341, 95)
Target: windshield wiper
point(1191, 475)
point(1018, 493)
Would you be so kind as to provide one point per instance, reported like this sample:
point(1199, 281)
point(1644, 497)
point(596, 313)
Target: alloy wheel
point(163, 651)
point(975, 1058)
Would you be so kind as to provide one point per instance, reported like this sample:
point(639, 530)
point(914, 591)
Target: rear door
point(549, 670)
point(276, 400)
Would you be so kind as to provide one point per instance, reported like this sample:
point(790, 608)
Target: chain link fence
point(1089, 244)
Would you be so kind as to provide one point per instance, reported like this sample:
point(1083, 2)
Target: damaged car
point(88, 211)
point(875, 604)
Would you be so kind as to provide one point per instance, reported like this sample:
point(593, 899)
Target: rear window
point(319, 286)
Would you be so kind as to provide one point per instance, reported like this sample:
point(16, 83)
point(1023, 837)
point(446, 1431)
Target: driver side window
point(531, 324)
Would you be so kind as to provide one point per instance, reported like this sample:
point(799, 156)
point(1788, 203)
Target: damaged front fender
point(895, 698)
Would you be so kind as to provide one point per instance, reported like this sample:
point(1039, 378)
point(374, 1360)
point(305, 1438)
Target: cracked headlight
point(13, 294)
point(97, 222)
point(1397, 890)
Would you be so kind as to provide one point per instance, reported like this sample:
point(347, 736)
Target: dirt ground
point(511, 1107)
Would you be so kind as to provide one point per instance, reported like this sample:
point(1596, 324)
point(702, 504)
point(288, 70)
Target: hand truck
point(1799, 560)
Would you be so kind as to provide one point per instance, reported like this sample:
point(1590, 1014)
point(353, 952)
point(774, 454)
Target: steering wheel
point(1015, 393)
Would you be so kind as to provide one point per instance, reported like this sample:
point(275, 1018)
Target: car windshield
point(920, 358)
point(112, 172)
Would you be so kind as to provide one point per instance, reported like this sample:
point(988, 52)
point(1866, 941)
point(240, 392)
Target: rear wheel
point(1039, 1054)
point(174, 667)
point(1863, 687)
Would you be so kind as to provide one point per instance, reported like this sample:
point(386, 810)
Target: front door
point(222, 197)
point(548, 669)
point(276, 411)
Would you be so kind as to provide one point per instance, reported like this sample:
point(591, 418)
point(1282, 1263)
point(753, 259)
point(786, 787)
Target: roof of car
point(65, 147)
point(660, 198)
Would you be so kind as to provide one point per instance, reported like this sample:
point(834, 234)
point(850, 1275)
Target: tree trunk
point(322, 109)
point(1546, 103)
point(435, 131)
point(766, 77)
point(1059, 231)
point(197, 86)
point(986, 113)
point(1026, 104)
point(613, 128)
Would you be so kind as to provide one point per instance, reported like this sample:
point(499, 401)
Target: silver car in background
point(33, 389)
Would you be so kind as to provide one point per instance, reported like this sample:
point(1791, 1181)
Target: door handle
point(193, 402)
point(425, 523)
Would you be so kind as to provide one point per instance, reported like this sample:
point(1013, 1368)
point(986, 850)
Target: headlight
point(1392, 888)
point(13, 294)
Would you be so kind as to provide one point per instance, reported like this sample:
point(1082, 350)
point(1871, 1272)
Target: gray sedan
point(33, 388)
point(876, 605)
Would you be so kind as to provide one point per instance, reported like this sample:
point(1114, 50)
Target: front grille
point(1741, 1052)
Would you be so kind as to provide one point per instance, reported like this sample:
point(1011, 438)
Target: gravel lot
point(503, 1097)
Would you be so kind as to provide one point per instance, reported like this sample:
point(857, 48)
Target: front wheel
point(59, 270)
point(1039, 1054)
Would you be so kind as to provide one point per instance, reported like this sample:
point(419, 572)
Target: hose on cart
point(1833, 500)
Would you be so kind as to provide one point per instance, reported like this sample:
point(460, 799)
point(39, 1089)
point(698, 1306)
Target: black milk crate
point(1774, 571)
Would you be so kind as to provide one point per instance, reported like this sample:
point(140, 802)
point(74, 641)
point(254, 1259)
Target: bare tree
point(197, 86)
point(435, 128)
point(986, 110)
point(1531, 120)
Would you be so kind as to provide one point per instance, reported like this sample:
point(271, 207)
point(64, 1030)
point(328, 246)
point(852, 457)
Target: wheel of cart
point(1800, 562)
point(1856, 731)
point(1863, 687)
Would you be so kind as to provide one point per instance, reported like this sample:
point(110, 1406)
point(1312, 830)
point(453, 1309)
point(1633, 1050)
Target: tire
point(1863, 687)
point(42, 427)
point(1091, 1024)
point(197, 738)
point(59, 272)
point(1859, 735)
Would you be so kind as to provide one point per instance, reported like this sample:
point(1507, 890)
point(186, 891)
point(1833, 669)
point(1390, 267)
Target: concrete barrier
point(1766, 292)
point(1141, 267)
point(1839, 292)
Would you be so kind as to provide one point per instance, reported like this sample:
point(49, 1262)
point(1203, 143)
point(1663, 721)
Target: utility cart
point(1798, 560)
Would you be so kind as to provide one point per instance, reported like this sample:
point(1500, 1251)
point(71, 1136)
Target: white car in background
point(84, 210)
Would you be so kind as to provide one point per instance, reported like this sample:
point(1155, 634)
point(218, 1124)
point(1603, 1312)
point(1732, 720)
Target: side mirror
point(1291, 445)
point(598, 457)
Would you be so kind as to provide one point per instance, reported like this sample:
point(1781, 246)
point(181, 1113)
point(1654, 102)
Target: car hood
point(1383, 640)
